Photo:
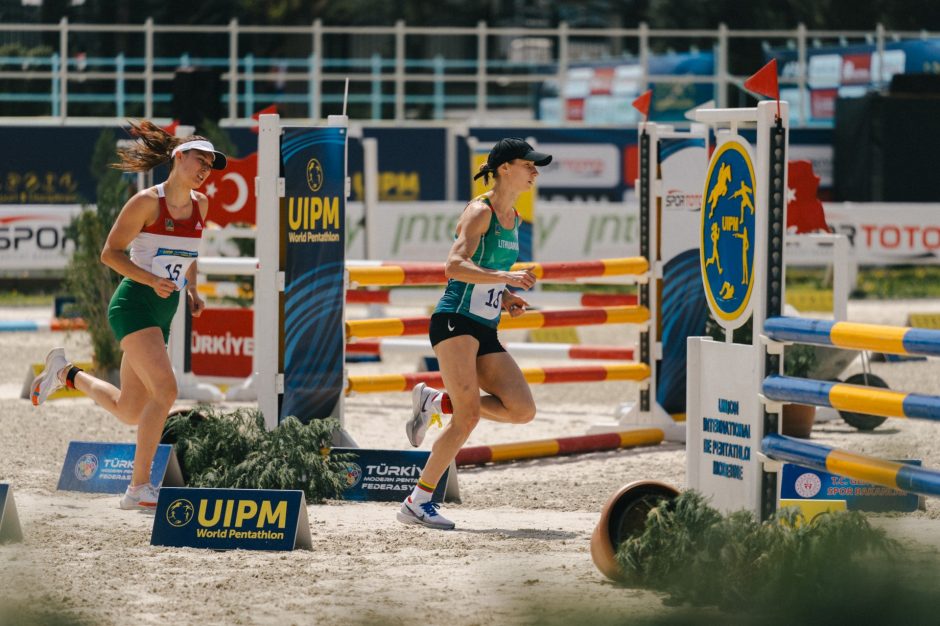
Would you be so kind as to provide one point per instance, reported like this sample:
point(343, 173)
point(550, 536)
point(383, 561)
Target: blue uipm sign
point(101, 467)
point(390, 475)
point(9, 521)
point(800, 483)
point(229, 519)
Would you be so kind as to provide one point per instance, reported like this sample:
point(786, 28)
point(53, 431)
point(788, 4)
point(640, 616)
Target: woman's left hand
point(514, 304)
point(196, 304)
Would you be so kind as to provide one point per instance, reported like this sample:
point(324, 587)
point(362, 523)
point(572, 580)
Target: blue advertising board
point(31, 174)
point(229, 519)
point(386, 475)
point(9, 520)
point(313, 246)
point(104, 467)
point(800, 483)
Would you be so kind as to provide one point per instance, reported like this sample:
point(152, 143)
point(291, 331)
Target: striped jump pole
point(394, 327)
point(377, 383)
point(225, 289)
point(433, 273)
point(855, 398)
point(228, 265)
point(54, 324)
point(422, 348)
point(418, 296)
point(877, 338)
point(852, 465)
point(504, 452)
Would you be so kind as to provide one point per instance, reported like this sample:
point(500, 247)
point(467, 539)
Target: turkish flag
point(804, 210)
point(171, 128)
point(764, 81)
point(231, 191)
point(642, 104)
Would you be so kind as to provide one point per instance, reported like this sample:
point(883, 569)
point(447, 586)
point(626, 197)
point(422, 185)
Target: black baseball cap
point(512, 148)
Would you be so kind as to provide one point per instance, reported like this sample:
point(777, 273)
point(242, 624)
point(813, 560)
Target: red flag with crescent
point(804, 210)
point(231, 191)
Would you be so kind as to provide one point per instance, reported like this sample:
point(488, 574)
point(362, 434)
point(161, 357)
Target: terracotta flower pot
point(797, 420)
point(623, 516)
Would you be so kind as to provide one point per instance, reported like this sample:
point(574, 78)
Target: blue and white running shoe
point(424, 514)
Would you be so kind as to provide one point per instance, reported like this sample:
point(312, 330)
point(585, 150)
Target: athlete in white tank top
point(169, 246)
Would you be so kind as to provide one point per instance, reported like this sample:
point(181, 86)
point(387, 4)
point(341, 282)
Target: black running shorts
point(447, 325)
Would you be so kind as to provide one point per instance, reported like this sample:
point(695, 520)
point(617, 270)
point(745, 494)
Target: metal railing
point(499, 78)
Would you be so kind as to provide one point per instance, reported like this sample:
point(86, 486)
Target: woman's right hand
point(163, 286)
point(524, 279)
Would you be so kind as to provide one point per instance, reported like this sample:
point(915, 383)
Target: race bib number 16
point(173, 264)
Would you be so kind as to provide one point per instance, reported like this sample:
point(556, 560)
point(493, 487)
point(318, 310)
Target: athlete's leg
point(510, 398)
point(125, 403)
point(145, 353)
point(457, 360)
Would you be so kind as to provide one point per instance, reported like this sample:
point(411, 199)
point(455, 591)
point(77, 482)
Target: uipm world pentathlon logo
point(727, 236)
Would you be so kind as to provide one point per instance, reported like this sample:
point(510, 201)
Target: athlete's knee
point(164, 388)
point(524, 414)
point(464, 423)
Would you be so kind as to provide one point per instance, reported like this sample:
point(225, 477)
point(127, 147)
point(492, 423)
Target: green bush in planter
point(235, 450)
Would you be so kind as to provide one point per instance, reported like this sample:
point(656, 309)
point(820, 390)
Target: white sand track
point(521, 548)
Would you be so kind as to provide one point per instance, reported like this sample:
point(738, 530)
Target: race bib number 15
point(173, 264)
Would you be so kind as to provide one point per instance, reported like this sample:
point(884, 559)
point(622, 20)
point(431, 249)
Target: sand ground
point(520, 553)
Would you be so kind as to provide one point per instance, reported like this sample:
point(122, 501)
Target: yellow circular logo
point(179, 513)
point(314, 175)
point(726, 249)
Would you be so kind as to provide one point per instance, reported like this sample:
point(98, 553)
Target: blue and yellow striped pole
point(874, 337)
point(851, 465)
point(855, 398)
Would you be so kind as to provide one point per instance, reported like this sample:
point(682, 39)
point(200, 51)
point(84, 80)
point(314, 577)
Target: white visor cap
point(218, 162)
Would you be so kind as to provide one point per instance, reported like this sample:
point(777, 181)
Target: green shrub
point(235, 450)
point(786, 568)
point(86, 277)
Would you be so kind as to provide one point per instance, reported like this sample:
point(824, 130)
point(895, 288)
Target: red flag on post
point(642, 104)
point(171, 128)
point(764, 82)
point(268, 110)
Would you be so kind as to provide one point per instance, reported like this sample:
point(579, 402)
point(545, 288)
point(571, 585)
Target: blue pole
point(119, 85)
point(249, 84)
point(54, 64)
point(377, 86)
point(439, 87)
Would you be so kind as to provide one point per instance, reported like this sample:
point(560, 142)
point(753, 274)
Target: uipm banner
point(229, 519)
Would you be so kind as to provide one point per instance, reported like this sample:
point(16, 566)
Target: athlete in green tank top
point(497, 250)
point(463, 328)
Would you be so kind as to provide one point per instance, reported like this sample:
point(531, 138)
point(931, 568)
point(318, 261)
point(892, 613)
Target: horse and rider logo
point(727, 236)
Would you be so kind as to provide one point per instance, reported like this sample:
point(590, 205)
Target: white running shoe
point(424, 514)
point(422, 413)
point(140, 497)
point(48, 380)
